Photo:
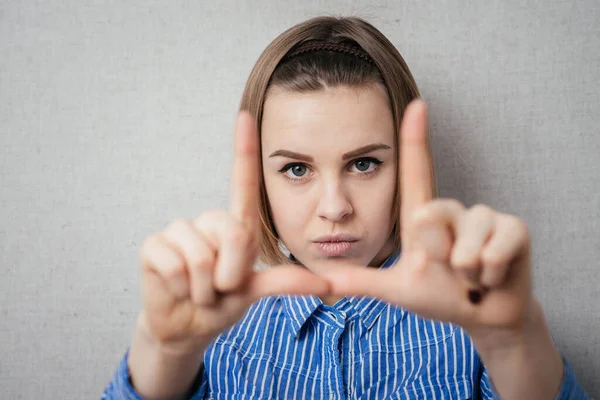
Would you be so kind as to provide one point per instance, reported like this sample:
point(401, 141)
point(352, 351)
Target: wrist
point(522, 362)
point(514, 338)
point(160, 370)
point(183, 347)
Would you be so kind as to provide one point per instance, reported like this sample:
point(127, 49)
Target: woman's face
point(329, 165)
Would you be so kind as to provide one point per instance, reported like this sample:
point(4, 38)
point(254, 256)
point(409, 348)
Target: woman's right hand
point(197, 275)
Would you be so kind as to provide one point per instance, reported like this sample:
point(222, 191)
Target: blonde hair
point(369, 58)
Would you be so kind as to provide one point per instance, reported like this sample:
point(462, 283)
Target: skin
point(198, 277)
point(331, 195)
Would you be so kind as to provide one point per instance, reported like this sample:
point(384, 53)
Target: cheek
point(290, 210)
point(375, 205)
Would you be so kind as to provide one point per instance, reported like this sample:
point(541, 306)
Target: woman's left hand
point(468, 266)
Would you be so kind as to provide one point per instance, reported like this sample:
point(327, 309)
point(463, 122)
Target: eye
point(362, 165)
point(294, 170)
point(298, 170)
point(366, 165)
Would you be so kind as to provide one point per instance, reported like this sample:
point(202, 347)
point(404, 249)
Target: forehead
point(329, 121)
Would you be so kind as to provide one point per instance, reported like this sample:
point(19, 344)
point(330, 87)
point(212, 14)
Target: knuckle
point(516, 224)
point(149, 247)
point(238, 237)
point(202, 259)
point(452, 203)
point(482, 210)
point(167, 259)
point(170, 267)
point(149, 242)
point(158, 255)
point(177, 225)
point(174, 268)
point(456, 203)
point(173, 264)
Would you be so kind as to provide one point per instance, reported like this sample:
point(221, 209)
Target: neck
point(386, 251)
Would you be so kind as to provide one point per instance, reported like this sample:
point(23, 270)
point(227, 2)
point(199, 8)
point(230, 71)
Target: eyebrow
point(351, 154)
point(364, 150)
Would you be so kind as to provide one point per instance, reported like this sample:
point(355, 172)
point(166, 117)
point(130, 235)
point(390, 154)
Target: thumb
point(286, 279)
point(386, 284)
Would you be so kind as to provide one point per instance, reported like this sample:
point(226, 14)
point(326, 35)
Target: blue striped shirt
point(297, 347)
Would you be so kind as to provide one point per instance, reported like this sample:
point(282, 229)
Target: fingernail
point(474, 296)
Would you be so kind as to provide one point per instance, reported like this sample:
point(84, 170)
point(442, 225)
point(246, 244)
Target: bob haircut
point(279, 65)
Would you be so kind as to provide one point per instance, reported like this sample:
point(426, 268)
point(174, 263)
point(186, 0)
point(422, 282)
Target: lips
point(335, 245)
point(340, 237)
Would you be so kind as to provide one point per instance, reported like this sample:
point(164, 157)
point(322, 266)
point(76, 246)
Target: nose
point(334, 204)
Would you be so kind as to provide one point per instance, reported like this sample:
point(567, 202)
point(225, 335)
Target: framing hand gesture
point(466, 266)
point(198, 277)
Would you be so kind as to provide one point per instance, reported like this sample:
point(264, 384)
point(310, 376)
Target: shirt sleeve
point(570, 389)
point(120, 387)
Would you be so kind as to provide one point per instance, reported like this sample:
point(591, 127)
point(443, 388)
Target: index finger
point(416, 178)
point(245, 172)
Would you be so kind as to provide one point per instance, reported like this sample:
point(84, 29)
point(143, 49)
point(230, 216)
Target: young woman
point(375, 290)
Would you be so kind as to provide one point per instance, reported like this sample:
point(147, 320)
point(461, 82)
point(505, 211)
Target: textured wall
point(116, 117)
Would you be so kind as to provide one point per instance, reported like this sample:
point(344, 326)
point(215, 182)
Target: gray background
point(116, 118)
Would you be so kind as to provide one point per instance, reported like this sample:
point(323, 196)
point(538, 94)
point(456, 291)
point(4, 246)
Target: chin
point(346, 260)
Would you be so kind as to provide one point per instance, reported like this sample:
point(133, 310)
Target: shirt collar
point(299, 308)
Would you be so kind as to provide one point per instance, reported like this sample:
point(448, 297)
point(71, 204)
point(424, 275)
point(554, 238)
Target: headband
point(314, 46)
